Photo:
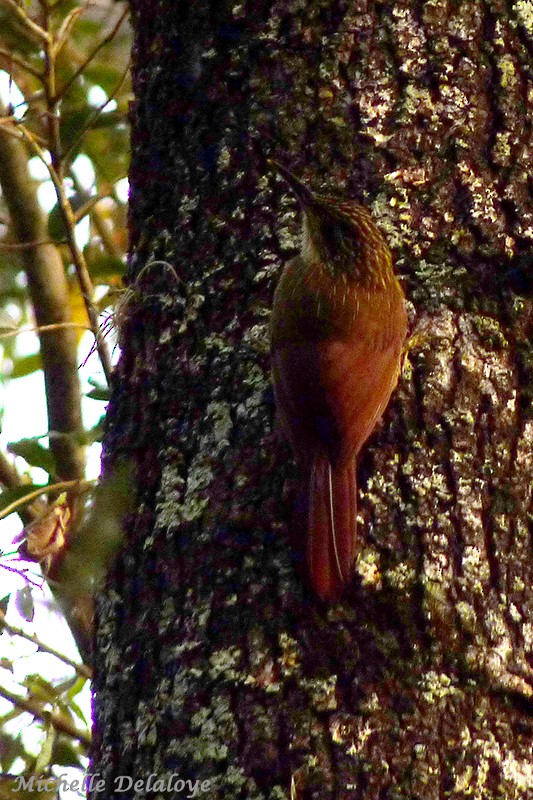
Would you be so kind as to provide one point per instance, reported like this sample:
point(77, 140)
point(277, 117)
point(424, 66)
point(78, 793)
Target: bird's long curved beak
point(302, 192)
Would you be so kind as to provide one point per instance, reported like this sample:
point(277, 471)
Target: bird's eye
point(339, 239)
point(332, 235)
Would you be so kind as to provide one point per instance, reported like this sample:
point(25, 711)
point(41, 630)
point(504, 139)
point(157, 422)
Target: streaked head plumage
point(339, 233)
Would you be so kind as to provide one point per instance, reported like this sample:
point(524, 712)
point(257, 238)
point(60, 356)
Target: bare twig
point(100, 223)
point(37, 708)
point(27, 245)
point(29, 24)
point(22, 573)
point(20, 63)
point(66, 26)
point(87, 207)
point(56, 170)
point(110, 36)
point(80, 264)
point(82, 670)
point(39, 328)
point(50, 488)
point(49, 83)
point(97, 111)
point(13, 128)
point(84, 278)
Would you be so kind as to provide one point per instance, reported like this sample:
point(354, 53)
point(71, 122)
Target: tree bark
point(214, 660)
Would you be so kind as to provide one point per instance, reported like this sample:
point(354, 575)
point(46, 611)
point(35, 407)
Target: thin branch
point(57, 720)
point(84, 278)
point(10, 478)
point(92, 119)
point(22, 573)
point(80, 264)
point(21, 63)
point(49, 83)
point(66, 26)
point(26, 245)
point(110, 36)
point(39, 328)
point(28, 100)
point(17, 133)
point(82, 670)
point(51, 487)
point(100, 223)
point(28, 23)
point(87, 207)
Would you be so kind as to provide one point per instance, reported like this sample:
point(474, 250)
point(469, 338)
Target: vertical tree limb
point(48, 289)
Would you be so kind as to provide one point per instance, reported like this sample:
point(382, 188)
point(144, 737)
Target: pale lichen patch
point(436, 686)
point(290, 654)
point(321, 692)
point(368, 568)
point(475, 569)
point(524, 9)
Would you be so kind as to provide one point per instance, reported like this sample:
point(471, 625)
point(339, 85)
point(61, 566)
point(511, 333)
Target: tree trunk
point(214, 660)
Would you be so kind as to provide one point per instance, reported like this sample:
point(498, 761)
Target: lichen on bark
point(419, 684)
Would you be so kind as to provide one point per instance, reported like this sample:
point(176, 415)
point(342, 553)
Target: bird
point(337, 332)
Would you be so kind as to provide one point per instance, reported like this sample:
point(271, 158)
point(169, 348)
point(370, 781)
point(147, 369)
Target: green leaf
point(25, 365)
point(105, 75)
point(24, 603)
point(17, 493)
point(104, 265)
point(40, 688)
point(34, 453)
point(108, 150)
point(109, 119)
point(66, 754)
point(88, 437)
point(45, 754)
point(14, 34)
point(12, 748)
point(96, 383)
point(77, 687)
point(4, 602)
point(7, 323)
point(77, 122)
point(74, 707)
point(72, 122)
point(56, 224)
point(99, 394)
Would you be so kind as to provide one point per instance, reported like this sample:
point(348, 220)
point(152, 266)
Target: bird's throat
point(308, 250)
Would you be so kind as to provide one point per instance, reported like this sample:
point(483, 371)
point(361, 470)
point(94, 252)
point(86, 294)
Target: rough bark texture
point(215, 661)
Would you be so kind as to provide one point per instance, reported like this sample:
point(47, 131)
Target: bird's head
point(335, 231)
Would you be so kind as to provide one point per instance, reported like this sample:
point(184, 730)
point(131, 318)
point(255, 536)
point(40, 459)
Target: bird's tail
point(332, 524)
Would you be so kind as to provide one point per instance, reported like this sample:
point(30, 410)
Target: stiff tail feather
point(332, 524)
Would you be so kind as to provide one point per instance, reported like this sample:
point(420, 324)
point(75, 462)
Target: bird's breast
point(312, 304)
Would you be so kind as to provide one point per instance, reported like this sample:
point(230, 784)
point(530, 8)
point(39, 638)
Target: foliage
point(64, 94)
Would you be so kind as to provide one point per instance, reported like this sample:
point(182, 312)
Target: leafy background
point(64, 90)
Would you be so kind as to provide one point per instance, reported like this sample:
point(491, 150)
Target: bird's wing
point(331, 393)
point(358, 382)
